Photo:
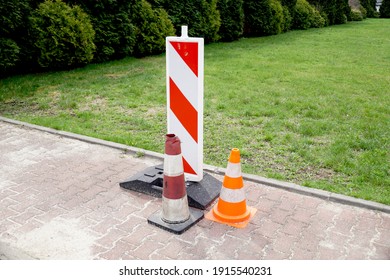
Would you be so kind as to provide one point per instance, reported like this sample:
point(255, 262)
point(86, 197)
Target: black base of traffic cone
point(179, 228)
point(149, 181)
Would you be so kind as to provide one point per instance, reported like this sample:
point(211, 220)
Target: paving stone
point(279, 215)
point(325, 253)
point(303, 214)
point(381, 252)
point(26, 215)
point(202, 247)
point(111, 237)
point(302, 254)
point(146, 250)
point(383, 237)
point(308, 242)
point(293, 227)
point(269, 228)
point(275, 255)
point(171, 249)
point(105, 225)
point(284, 243)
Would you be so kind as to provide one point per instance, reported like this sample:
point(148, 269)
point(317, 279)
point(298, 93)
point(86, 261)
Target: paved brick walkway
point(60, 199)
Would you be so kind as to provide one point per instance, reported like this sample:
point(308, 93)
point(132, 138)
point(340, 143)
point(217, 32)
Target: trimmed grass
point(310, 107)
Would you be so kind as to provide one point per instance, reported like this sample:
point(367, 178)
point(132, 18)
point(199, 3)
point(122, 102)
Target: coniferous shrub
point(152, 26)
point(263, 17)
point(201, 16)
point(384, 10)
point(356, 15)
point(343, 11)
point(232, 19)
point(370, 7)
point(318, 21)
point(333, 11)
point(306, 16)
point(62, 35)
point(112, 22)
point(13, 33)
point(290, 5)
point(363, 11)
point(288, 18)
point(9, 55)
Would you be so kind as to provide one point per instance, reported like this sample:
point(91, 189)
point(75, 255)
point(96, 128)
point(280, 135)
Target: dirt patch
point(115, 76)
point(94, 102)
point(153, 111)
point(316, 173)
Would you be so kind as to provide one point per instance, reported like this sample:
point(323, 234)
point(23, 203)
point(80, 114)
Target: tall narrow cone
point(175, 216)
point(174, 195)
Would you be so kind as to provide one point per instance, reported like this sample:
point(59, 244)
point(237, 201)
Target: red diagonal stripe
point(187, 167)
point(188, 51)
point(183, 110)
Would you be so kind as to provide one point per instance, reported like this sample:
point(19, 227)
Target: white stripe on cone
point(232, 195)
point(173, 165)
point(233, 170)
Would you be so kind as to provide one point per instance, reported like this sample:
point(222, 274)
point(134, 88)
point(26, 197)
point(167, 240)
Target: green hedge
point(152, 27)
point(306, 16)
point(9, 55)
point(69, 33)
point(370, 7)
point(232, 19)
point(201, 17)
point(263, 17)
point(357, 15)
point(384, 10)
point(114, 30)
point(13, 33)
point(290, 4)
point(62, 35)
point(333, 11)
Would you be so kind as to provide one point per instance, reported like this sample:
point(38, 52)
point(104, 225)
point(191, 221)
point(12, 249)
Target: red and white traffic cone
point(174, 195)
point(175, 216)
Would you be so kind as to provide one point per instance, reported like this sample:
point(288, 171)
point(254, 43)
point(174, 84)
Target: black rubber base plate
point(195, 216)
point(150, 181)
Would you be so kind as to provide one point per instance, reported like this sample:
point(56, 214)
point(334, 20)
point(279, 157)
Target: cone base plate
point(195, 216)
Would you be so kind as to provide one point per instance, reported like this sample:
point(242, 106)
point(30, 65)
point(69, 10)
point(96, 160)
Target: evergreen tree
point(384, 10)
point(232, 19)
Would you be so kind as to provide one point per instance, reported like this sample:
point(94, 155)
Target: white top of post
point(184, 31)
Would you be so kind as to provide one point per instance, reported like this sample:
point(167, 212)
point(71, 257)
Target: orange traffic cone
point(231, 208)
point(175, 216)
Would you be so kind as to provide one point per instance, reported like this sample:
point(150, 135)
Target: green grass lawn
point(310, 107)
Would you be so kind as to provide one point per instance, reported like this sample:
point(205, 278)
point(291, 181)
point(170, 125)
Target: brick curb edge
point(325, 195)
